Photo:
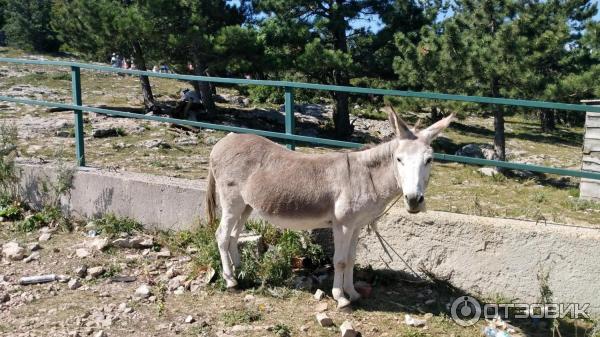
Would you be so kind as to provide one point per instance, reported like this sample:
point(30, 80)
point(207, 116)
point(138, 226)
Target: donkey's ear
point(398, 125)
point(434, 130)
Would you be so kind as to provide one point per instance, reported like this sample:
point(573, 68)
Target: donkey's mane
point(376, 154)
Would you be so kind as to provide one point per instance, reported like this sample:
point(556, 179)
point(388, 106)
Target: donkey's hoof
point(230, 283)
point(343, 303)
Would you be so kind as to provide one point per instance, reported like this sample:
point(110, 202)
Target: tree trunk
point(435, 114)
point(499, 140)
point(204, 88)
point(341, 115)
point(140, 61)
point(547, 120)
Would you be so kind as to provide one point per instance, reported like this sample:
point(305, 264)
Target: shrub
point(112, 225)
point(46, 217)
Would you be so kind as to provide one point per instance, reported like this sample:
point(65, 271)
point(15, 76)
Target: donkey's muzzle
point(414, 202)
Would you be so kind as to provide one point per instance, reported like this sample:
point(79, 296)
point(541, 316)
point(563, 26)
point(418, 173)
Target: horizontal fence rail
point(289, 135)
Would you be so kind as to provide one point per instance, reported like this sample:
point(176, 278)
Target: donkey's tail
point(211, 202)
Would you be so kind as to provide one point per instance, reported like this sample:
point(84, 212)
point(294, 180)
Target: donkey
point(340, 190)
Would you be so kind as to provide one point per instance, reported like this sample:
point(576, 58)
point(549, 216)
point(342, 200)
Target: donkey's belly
point(297, 222)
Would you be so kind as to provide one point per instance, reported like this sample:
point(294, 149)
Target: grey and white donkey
point(340, 190)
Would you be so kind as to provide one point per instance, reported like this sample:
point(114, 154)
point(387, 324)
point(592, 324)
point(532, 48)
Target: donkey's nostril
point(421, 199)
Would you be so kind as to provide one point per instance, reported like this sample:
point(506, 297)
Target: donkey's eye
point(399, 160)
point(428, 161)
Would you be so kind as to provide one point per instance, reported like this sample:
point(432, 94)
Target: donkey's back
point(274, 181)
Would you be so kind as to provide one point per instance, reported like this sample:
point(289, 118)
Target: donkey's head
point(413, 158)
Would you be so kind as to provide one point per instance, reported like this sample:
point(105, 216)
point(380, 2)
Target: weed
point(282, 330)
point(8, 172)
point(11, 210)
point(112, 225)
point(413, 332)
point(274, 267)
point(240, 316)
point(46, 217)
point(160, 298)
point(113, 270)
point(539, 197)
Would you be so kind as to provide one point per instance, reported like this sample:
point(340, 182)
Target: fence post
point(76, 93)
point(289, 115)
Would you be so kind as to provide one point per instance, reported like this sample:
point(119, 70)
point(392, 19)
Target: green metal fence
point(289, 136)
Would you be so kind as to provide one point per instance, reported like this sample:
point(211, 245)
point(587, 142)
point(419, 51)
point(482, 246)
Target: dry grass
point(454, 187)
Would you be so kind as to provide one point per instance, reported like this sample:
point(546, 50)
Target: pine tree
point(27, 25)
point(95, 29)
point(325, 25)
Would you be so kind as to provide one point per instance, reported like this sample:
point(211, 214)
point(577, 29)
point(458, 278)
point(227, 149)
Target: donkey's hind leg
point(342, 236)
point(234, 252)
point(232, 210)
point(349, 271)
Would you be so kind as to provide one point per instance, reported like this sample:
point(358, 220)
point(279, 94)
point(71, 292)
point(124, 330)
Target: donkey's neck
point(379, 164)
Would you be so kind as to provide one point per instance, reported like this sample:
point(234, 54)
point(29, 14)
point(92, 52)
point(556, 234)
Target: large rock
point(483, 151)
point(13, 251)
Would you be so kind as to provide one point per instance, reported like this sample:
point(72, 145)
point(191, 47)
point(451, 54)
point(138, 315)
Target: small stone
point(13, 251)
point(4, 297)
point(106, 132)
point(74, 284)
point(32, 257)
point(81, 271)
point(164, 253)
point(303, 328)
point(249, 298)
point(97, 243)
point(45, 237)
point(319, 294)
point(409, 320)
point(82, 253)
point(100, 333)
point(321, 307)
point(324, 320)
point(176, 282)
point(189, 319)
point(143, 291)
point(63, 278)
point(179, 291)
point(171, 272)
point(347, 329)
point(96, 271)
point(488, 171)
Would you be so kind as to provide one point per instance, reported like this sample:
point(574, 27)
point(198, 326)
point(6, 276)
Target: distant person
point(114, 60)
point(155, 69)
point(164, 68)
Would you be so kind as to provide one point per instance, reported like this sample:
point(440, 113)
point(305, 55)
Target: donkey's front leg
point(342, 236)
point(349, 271)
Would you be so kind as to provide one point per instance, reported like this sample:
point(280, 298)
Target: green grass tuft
point(112, 225)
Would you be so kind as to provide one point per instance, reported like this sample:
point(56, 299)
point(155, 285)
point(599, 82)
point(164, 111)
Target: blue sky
point(373, 23)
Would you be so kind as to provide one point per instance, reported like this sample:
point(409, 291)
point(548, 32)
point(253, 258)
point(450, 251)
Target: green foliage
point(112, 225)
point(240, 316)
point(274, 267)
point(48, 216)
point(27, 25)
point(262, 94)
point(8, 172)
point(282, 330)
point(11, 210)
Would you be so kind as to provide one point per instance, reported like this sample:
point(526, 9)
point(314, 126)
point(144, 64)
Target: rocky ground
point(137, 285)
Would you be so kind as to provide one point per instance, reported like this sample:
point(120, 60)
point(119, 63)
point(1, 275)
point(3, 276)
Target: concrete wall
point(492, 256)
point(157, 202)
point(483, 255)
